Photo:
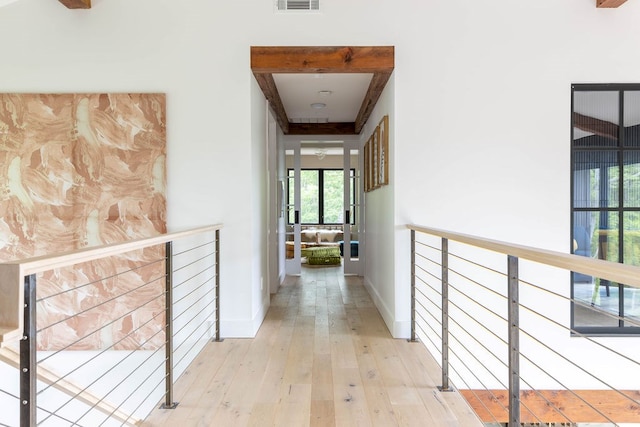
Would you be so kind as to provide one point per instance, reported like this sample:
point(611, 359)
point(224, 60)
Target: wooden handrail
point(12, 273)
point(612, 271)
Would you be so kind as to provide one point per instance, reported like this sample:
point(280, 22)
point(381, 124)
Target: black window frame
point(321, 196)
point(620, 148)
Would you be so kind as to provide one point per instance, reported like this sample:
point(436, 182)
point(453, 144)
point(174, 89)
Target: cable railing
point(97, 337)
point(500, 318)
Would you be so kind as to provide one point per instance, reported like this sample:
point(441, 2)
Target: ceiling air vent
point(297, 5)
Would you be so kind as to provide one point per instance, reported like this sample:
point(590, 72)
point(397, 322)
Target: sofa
point(317, 235)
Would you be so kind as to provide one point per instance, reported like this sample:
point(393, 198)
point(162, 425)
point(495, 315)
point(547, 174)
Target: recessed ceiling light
point(318, 105)
point(324, 92)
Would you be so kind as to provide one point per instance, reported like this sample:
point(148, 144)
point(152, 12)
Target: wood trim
point(77, 4)
point(378, 82)
point(316, 59)
point(268, 86)
point(11, 302)
point(322, 129)
point(266, 60)
point(613, 271)
point(557, 406)
point(609, 3)
point(596, 126)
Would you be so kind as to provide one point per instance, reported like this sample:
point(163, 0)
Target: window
point(605, 203)
point(321, 196)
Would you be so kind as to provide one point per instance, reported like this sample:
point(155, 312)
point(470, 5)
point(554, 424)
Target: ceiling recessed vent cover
point(297, 5)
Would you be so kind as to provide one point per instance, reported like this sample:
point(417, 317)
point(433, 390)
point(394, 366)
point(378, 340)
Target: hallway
point(322, 357)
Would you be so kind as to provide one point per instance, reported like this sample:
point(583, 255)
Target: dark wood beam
point(268, 86)
point(354, 59)
point(77, 4)
point(609, 3)
point(576, 406)
point(322, 129)
point(596, 126)
point(378, 82)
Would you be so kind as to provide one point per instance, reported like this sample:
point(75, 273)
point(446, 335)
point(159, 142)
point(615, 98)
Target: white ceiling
point(299, 91)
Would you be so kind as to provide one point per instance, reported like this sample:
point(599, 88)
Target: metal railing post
point(28, 350)
point(514, 342)
point(413, 286)
point(445, 315)
point(217, 293)
point(168, 402)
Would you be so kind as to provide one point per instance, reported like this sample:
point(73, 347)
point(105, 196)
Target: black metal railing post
point(445, 315)
point(28, 350)
point(217, 293)
point(168, 402)
point(413, 286)
point(514, 342)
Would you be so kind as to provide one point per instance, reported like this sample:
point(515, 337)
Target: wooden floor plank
point(323, 357)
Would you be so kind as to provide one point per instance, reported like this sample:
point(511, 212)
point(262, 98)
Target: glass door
point(292, 210)
point(352, 246)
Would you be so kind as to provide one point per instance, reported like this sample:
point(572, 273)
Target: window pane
point(595, 235)
point(291, 184)
point(631, 174)
point(309, 197)
point(595, 119)
point(632, 118)
point(632, 306)
point(333, 196)
point(595, 179)
point(631, 238)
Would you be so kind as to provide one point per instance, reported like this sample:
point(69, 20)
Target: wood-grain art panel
point(80, 170)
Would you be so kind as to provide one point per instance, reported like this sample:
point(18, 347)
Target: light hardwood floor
point(323, 357)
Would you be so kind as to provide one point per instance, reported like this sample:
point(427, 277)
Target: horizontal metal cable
point(198, 340)
point(163, 378)
point(426, 335)
point(102, 327)
point(192, 332)
point(484, 267)
point(475, 302)
point(601, 381)
point(193, 248)
point(109, 370)
point(454, 369)
point(427, 245)
point(428, 273)
point(498, 358)
point(419, 314)
point(56, 416)
point(188, 279)
point(202, 284)
point(479, 284)
point(426, 258)
point(101, 279)
point(199, 300)
point(478, 322)
point(100, 304)
point(163, 361)
point(587, 337)
point(9, 394)
point(161, 313)
point(433, 303)
point(195, 261)
point(586, 305)
point(563, 385)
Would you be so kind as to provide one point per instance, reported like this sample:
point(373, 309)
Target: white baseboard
point(398, 329)
point(243, 328)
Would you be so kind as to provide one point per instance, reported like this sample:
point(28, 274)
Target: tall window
point(321, 196)
point(605, 202)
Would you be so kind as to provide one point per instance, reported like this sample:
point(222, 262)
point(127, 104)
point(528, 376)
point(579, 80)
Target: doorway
point(324, 212)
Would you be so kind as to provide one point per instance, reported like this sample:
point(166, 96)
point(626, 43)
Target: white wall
point(480, 127)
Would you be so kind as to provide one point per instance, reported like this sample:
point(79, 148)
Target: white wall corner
point(383, 308)
point(243, 328)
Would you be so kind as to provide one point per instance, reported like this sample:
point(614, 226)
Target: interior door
point(292, 221)
point(354, 210)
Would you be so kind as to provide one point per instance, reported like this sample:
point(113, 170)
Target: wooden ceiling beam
point(360, 59)
point(347, 128)
point(378, 82)
point(268, 86)
point(609, 3)
point(77, 4)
